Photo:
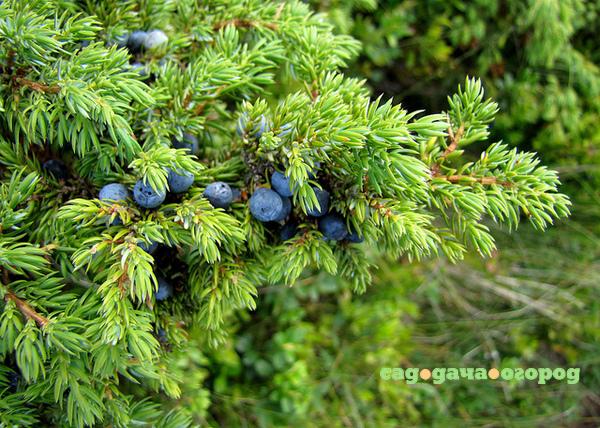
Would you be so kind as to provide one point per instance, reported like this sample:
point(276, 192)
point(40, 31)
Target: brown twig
point(123, 280)
point(199, 110)
point(26, 309)
point(10, 60)
point(279, 10)
point(454, 140)
point(382, 208)
point(314, 91)
point(244, 23)
point(36, 86)
point(482, 180)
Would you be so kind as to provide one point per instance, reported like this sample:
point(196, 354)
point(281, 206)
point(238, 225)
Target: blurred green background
point(310, 355)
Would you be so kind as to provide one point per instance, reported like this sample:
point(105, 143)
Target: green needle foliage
point(260, 84)
point(537, 58)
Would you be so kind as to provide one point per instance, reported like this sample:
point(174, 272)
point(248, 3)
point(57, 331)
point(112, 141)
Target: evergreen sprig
point(259, 85)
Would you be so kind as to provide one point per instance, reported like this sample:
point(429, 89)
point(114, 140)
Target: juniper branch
point(26, 309)
point(230, 94)
point(472, 179)
point(36, 86)
point(454, 141)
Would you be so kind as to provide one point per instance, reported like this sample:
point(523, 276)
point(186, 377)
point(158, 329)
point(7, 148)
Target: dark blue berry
point(313, 174)
point(57, 168)
point(261, 127)
point(285, 210)
point(242, 122)
point(266, 205)
point(155, 38)
point(189, 142)
point(333, 227)
point(114, 191)
point(162, 335)
point(121, 41)
point(180, 181)
point(165, 290)
point(139, 68)
point(146, 197)
point(219, 194)
point(285, 130)
point(323, 206)
point(281, 184)
point(13, 381)
point(150, 249)
point(136, 41)
point(116, 222)
point(288, 231)
point(354, 237)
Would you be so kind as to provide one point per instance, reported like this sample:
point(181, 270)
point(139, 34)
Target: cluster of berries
point(219, 194)
point(148, 40)
point(146, 197)
point(266, 204)
point(143, 40)
point(57, 168)
point(274, 205)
